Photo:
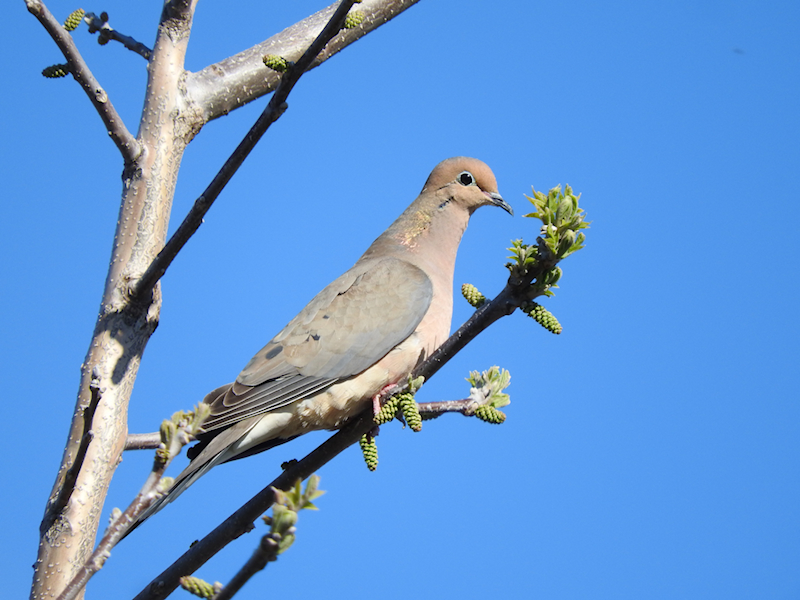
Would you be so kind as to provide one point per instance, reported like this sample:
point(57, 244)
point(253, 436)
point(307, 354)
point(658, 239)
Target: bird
point(365, 331)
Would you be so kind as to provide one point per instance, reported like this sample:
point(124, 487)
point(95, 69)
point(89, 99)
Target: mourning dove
point(363, 332)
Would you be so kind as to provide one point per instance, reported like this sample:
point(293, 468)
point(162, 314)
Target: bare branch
point(107, 33)
point(142, 441)
point(231, 83)
point(264, 553)
point(275, 108)
point(127, 144)
point(430, 410)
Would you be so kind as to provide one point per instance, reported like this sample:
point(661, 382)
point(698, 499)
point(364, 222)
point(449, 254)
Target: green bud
point(410, 412)
point(275, 62)
point(353, 19)
point(162, 454)
point(198, 587)
point(282, 518)
point(564, 211)
point(167, 431)
point(566, 242)
point(553, 276)
point(490, 414)
point(370, 451)
point(544, 317)
point(472, 295)
point(74, 19)
point(56, 71)
point(387, 411)
point(285, 543)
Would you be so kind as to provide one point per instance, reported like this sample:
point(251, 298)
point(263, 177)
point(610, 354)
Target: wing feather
point(348, 327)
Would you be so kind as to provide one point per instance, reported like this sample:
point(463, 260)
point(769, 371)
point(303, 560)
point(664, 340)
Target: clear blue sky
point(651, 451)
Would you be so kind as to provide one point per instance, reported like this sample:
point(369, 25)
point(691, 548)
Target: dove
point(365, 331)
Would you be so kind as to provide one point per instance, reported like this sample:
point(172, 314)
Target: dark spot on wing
point(274, 352)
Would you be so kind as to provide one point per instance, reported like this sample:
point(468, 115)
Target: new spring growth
point(472, 295)
point(562, 220)
point(56, 71)
point(74, 19)
point(410, 411)
point(543, 317)
point(179, 430)
point(391, 406)
point(200, 588)
point(560, 235)
point(387, 411)
point(275, 62)
point(353, 19)
point(284, 515)
point(369, 450)
point(487, 391)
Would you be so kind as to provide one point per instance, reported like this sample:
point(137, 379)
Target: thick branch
point(127, 144)
point(122, 329)
point(225, 86)
point(273, 111)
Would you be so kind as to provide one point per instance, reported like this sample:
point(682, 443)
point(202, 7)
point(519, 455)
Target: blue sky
point(651, 451)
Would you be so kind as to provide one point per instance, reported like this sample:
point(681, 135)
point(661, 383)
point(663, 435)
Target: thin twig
point(276, 107)
point(434, 409)
point(142, 441)
point(107, 33)
point(265, 552)
point(126, 143)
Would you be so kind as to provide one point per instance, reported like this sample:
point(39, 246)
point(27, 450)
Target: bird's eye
point(465, 178)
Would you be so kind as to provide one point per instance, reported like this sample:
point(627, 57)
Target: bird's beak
point(497, 200)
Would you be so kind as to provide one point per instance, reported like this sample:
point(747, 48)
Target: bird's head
point(467, 182)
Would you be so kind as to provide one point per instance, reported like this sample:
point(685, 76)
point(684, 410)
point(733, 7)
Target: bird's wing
point(348, 327)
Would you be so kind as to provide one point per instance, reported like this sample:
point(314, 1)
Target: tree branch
point(264, 553)
point(122, 329)
point(275, 108)
point(142, 441)
point(430, 410)
point(233, 82)
point(107, 33)
point(125, 142)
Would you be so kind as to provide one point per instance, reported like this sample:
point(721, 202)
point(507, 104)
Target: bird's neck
point(426, 235)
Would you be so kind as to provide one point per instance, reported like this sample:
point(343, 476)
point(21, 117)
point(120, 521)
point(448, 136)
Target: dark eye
point(465, 178)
